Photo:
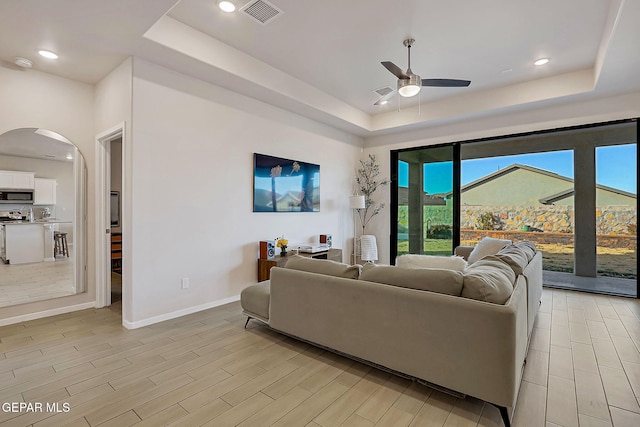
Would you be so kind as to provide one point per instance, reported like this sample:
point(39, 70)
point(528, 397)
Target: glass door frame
point(395, 157)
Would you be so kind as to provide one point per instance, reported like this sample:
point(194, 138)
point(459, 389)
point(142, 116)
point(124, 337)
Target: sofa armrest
point(463, 251)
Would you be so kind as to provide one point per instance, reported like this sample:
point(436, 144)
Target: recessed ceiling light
point(541, 61)
point(226, 6)
point(48, 54)
point(69, 157)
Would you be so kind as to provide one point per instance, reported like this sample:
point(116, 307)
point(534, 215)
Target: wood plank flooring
point(24, 283)
point(583, 369)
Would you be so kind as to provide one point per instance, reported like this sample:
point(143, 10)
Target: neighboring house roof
point(544, 200)
point(428, 199)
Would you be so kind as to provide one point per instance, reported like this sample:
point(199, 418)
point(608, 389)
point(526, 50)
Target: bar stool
point(60, 243)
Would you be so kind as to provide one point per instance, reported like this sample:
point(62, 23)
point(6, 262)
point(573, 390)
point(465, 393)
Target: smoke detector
point(22, 62)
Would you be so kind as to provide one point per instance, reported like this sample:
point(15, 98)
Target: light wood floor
point(204, 369)
point(24, 283)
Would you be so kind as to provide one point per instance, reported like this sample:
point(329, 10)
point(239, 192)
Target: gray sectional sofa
point(435, 325)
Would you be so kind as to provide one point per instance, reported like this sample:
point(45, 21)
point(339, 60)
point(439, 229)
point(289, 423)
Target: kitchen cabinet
point(45, 191)
point(16, 180)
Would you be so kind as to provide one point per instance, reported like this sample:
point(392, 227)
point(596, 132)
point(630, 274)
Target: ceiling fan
point(409, 84)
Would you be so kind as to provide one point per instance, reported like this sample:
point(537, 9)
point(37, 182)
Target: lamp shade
point(356, 202)
point(368, 248)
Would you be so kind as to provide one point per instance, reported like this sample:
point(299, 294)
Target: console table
point(265, 265)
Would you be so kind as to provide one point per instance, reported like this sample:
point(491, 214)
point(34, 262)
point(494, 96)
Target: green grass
point(431, 247)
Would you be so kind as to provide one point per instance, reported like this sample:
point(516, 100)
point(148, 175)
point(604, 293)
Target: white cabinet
point(17, 180)
point(45, 191)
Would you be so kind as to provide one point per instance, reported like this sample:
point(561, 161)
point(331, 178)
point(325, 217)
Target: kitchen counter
point(22, 242)
point(37, 221)
point(26, 241)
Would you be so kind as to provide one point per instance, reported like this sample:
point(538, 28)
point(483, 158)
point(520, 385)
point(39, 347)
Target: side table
point(265, 265)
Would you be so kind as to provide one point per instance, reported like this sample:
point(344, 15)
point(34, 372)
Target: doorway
point(115, 218)
point(110, 224)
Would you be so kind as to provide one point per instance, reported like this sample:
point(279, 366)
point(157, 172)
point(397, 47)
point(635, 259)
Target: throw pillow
point(323, 266)
point(489, 279)
point(456, 263)
point(425, 279)
point(487, 246)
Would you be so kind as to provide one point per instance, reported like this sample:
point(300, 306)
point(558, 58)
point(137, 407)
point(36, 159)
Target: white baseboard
point(46, 313)
point(179, 313)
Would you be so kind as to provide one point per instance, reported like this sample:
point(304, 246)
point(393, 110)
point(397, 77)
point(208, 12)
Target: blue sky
point(615, 167)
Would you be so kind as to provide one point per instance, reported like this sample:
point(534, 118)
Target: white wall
point(561, 114)
point(31, 99)
point(192, 154)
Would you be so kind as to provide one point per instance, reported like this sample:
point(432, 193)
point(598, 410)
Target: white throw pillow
point(487, 246)
point(455, 263)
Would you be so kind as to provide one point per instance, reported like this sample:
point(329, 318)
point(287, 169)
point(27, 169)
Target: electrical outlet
point(185, 283)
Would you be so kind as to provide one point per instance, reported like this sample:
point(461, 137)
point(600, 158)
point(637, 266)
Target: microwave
point(16, 196)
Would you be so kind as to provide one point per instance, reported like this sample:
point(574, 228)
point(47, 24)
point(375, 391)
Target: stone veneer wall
point(610, 220)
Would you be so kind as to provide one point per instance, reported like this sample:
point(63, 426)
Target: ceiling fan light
point(409, 87)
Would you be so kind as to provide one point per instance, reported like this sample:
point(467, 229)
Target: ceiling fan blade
point(395, 70)
point(445, 82)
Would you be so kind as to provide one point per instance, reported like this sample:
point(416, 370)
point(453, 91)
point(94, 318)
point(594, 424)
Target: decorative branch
point(368, 182)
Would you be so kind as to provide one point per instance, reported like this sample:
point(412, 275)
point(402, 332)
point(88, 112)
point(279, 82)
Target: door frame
point(103, 204)
point(455, 185)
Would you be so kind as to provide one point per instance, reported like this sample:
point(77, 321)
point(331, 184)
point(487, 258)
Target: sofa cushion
point(489, 279)
point(255, 300)
point(528, 248)
point(517, 255)
point(323, 266)
point(425, 279)
point(455, 263)
point(514, 257)
point(487, 246)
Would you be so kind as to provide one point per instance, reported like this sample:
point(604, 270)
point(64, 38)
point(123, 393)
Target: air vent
point(383, 91)
point(262, 11)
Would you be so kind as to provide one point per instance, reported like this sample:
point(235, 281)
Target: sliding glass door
point(526, 196)
point(616, 213)
point(572, 191)
point(425, 203)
